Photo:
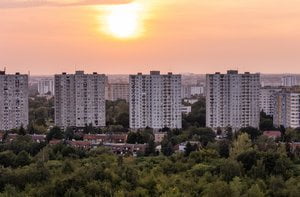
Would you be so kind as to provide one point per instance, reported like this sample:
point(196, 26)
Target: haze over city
point(121, 37)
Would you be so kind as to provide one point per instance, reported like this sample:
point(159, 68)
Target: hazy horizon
point(126, 37)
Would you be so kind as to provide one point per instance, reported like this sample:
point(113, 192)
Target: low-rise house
point(124, 148)
point(55, 142)
point(97, 139)
point(2, 134)
point(38, 138)
point(117, 138)
point(186, 109)
point(181, 147)
point(158, 148)
point(80, 144)
point(159, 136)
point(272, 134)
point(294, 146)
point(11, 137)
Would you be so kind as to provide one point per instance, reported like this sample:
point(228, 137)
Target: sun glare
point(124, 21)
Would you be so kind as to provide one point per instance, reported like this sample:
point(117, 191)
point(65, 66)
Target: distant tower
point(13, 101)
point(155, 101)
point(232, 99)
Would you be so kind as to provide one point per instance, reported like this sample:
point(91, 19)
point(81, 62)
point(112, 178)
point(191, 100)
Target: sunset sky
point(121, 37)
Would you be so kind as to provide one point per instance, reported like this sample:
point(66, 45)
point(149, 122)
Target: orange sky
point(195, 36)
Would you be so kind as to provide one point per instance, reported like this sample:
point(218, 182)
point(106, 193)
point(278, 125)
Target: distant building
point(191, 101)
point(186, 91)
point(289, 81)
point(46, 87)
point(186, 109)
point(267, 99)
point(189, 91)
point(232, 99)
point(287, 108)
point(13, 101)
point(116, 91)
point(197, 90)
point(155, 101)
point(79, 100)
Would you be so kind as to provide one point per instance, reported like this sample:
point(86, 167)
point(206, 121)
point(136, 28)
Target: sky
point(123, 37)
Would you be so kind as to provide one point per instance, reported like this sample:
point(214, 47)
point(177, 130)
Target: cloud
point(55, 3)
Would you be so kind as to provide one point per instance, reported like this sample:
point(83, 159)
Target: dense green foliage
point(266, 122)
point(41, 114)
point(233, 164)
point(117, 113)
point(198, 115)
point(242, 167)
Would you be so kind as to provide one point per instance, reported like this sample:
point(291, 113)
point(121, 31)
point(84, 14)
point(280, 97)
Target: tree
point(166, 147)
point(150, 150)
point(218, 189)
point(204, 135)
point(255, 191)
point(132, 138)
point(117, 113)
point(248, 158)
point(22, 159)
point(252, 132)
point(197, 117)
point(7, 158)
point(266, 122)
point(55, 133)
point(69, 133)
point(67, 167)
point(123, 119)
point(89, 128)
point(266, 125)
point(22, 131)
point(189, 148)
point(223, 148)
point(230, 169)
point(219, 131)
point(229, 133)
point(140, 137)
point(240, 145)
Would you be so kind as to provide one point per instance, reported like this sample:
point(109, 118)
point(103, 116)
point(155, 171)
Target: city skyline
point(181, 37)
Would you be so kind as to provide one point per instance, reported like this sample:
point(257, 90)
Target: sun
point(124, 21)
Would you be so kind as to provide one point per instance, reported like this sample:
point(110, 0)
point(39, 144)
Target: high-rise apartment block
point(116, 91)
point(79, 99)
point(232, 99)
point(13, 101)
point(287, 108)
point(189, 91)
point(155, 101)
point(46, 87)
point(289, 81)
point(267, 99)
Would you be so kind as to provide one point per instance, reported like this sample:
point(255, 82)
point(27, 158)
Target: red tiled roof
point(79, 143)
point(54, 142)
point(272, 134)
point(38, 137)
point(94, 137)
